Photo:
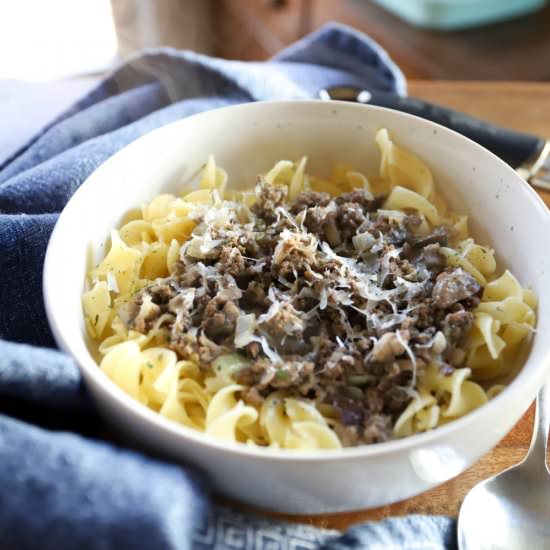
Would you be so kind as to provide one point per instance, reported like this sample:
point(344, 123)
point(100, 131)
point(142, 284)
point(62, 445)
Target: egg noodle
point(148, 246)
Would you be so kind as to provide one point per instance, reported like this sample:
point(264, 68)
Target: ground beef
point(396, 399)
point(268, 198)
point(231, 261)
point(294, 375)
point(220, 317)
point(330, 322)
point(162, 293)
point(191, 347)
point(295, 263)
point(252, 248)
point(183, 343)
point(328, 225)
point(251, 376)
point(246, 243)
point(308, 199)
point(423, 316)
point(315, 220)
point(350, 217)
point(254, 298)
point(359, 197)
point(252, 396)
point(262, 375)
point(203, 296)
point(335, 323)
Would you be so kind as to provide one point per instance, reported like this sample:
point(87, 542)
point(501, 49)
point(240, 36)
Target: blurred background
point(53, 51)
point(43, 40)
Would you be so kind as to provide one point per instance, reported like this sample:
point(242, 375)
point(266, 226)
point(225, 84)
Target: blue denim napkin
point(64, 482)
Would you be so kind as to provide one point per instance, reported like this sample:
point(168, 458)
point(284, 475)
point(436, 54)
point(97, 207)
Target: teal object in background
point(458, 14)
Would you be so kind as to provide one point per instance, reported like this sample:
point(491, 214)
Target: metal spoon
point(512, 509)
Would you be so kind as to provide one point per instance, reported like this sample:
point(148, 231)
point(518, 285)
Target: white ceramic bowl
point(246, 139)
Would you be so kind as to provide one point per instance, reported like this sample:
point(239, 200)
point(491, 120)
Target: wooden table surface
point(518, 48)
point(524, 106)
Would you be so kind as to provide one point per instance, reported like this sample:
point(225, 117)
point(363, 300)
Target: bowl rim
point(93, 375)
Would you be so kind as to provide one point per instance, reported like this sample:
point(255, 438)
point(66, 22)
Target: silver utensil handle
point(539, 440)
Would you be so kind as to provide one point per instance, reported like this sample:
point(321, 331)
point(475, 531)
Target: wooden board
point(525, 107)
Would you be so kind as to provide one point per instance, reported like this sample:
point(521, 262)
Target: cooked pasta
point(306, 313)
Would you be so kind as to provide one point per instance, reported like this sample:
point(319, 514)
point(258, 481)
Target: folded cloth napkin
point(62, 486)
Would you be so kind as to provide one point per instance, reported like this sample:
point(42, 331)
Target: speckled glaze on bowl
point(246, 139)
